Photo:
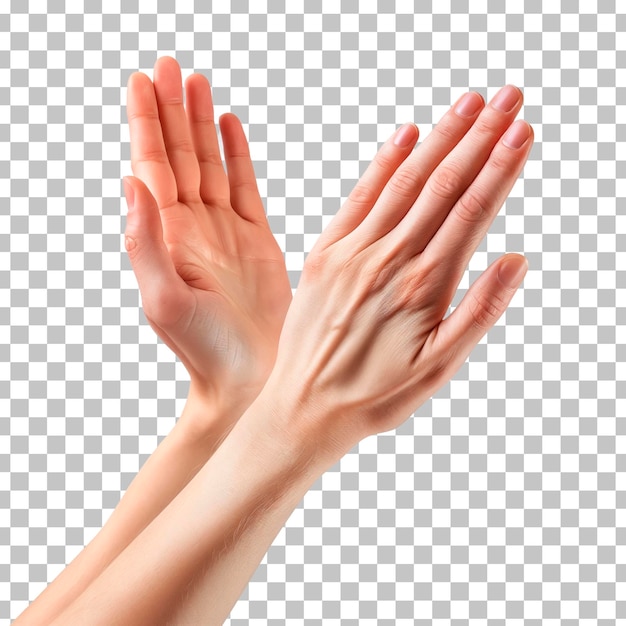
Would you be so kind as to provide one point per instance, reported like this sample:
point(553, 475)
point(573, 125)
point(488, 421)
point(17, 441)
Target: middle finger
point(169, 94)
point(404, 187)
point(455, 173)
point(213, 180)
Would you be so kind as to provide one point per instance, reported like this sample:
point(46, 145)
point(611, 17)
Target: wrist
point(302, 426)
point(209, 413)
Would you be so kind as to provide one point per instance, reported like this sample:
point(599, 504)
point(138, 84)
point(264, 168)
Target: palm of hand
point(212, 277)
point(230, 316)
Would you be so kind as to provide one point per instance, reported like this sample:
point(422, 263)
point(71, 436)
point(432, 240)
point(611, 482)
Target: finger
point(455, 173)
point(162, 289)
point(244, 193)
point(147, 149)
point(405, 185)
point(369, 187)
point(180, 150)
point(481, 307)
point(473, 213)
point(201, 118)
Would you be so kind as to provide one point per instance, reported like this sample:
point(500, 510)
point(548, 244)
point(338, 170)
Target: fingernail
point(130, 243)
point(469, 105)
point(512, 270)
point(405, 136)
point(129, 192)
point(517, 134)
point(506, 98)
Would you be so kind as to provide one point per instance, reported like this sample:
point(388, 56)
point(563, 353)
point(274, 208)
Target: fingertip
point(233, 133)
point(516, 135)
point(133, 78)
point(166, 60)
point(507, 98)
point(512, 270)
point(168, 82)
point(196, 81)
point(515, 255)
point(229, 118)
point(138, 80)
point(469, 105)
point(406, 136)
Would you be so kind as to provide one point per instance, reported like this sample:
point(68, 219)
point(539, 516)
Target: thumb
point(148, 254)
point(481, 307)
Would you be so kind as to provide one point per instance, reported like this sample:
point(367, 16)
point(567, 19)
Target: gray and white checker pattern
point(503, 499)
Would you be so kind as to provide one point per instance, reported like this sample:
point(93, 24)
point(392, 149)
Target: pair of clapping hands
point(364, 341)
point(280, 389)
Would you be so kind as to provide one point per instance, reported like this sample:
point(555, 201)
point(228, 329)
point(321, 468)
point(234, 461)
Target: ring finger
point(405, 185)
point(455, 173)
point(469, 220)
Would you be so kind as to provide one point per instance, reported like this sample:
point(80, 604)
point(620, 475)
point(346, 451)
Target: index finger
point(369, 187)
point(471, 216)
point(148, 156)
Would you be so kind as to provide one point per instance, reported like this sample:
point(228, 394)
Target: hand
point(365, 341)
point(212, 277)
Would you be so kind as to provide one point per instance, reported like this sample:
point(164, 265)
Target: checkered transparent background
point(503, 499)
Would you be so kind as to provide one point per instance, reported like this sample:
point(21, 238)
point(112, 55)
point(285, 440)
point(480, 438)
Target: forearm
point(215, 587)
point(212, 535)
point(194, 438)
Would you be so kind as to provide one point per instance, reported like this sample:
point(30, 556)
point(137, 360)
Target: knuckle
point(211, 158)
point(485, 125)
point(242, 152)
point(435, 365)
point(408, 295)
point(405, 183)
point(170, 102)
point(150, 156)
point(330, 262)
point(361, 196)
point(315, 263)
point(189, 195)
point(204, 119)
point(181, 145)
point(448, 131)
point(244, 186)
point(439, 367)
point(430, 277)
point(446, 182)
point(470, 208)
point(381, 275)
point(499, 162)
point(485, 309)
point(133, 115)
point(385, 160)
point(215, 199)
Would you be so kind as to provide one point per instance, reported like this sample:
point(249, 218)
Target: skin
point(364, 343)
point(212, 277)
point(214, 287)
